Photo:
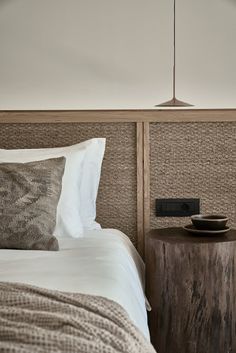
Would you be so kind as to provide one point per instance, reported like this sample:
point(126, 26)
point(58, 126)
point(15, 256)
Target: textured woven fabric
point(117, 196)
point(194, 160)
point(29, 194)
point(38, 320)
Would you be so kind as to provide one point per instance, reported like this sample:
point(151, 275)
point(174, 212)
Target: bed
point(103, 262)
point(86, 297)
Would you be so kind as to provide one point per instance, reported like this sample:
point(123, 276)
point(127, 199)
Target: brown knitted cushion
point(29, 194)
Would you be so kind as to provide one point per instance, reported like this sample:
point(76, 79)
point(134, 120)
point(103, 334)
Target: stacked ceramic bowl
point(208, 225)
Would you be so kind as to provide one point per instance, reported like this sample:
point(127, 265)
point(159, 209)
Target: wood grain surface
point(191, 288)
point(146, 177)
point(142, 115)
point(140, 210)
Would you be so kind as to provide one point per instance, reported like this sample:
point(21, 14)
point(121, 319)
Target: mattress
point(103, 262)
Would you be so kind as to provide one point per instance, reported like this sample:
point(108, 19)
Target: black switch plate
point(177, 207)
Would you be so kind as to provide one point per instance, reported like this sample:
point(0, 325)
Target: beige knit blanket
point(34, 320)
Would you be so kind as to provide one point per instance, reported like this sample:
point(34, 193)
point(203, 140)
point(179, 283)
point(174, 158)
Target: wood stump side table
point(190, 283)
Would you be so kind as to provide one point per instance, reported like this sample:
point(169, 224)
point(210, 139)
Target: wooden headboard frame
point(142, 119)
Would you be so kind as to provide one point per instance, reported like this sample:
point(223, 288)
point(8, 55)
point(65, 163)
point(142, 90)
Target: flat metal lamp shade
point(174, 102)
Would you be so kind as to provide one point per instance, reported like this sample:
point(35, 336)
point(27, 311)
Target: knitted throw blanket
point(36, 320)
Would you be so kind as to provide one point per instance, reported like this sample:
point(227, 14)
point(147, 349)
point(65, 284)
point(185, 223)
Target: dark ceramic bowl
point(209, 222)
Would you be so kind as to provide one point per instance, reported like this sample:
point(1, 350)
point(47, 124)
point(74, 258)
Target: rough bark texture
point(191, 288)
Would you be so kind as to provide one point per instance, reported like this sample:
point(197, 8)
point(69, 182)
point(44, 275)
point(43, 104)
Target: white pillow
point(76, 210)
point(91, 172)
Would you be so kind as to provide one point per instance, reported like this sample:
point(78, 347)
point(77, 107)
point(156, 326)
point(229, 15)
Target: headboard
point(138, 143)
point(194, 160)
point(116, 203)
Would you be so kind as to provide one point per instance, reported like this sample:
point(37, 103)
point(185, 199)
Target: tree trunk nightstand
point(190, 284)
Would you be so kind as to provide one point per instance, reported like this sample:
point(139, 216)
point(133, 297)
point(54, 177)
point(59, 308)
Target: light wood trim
point(195, 115)
point(153, 115)
point(140, 228)
point(146, 178)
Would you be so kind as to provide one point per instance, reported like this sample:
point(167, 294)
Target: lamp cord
point(174, 56)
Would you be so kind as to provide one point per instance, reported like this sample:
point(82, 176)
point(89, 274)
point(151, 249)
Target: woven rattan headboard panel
point(149, 154)
point(117, 199)
point(193, 160)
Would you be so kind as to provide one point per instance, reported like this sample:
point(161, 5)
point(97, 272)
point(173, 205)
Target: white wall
point(90, 54)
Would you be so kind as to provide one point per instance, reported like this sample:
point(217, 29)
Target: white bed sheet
point(103, 262)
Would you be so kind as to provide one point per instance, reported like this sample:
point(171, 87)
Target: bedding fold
point(34, 319)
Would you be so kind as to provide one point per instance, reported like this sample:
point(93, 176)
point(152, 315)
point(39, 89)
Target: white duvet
point(103, 262)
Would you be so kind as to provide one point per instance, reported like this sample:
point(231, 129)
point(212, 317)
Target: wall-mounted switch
point(177, 207)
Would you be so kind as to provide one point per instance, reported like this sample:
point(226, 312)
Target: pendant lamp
point(174, 102)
